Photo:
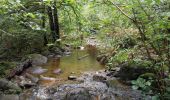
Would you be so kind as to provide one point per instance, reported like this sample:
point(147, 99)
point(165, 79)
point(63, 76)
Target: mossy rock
point(132, 70)
point(8, 87)
point(37, 59)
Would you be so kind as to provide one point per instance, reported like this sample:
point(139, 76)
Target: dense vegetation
point(135, 32)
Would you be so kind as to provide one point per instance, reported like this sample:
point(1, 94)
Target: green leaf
point(148, 83)
point(156, 97)
point(135, 87)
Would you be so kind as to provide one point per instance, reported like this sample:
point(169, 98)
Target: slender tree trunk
point(53, 21)
point(56, 22)
point(43, 25)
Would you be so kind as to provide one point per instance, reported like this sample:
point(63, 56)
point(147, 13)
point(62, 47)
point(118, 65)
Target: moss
point(5, 67)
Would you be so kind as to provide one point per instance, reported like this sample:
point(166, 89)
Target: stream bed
point(91, 81)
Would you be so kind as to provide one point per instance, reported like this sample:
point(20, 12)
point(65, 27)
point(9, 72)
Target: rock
point(56, 50)
point(32, 78)
point(72, 72)
point(67, 53)
point(72, 77)
point(112, 83)
point(102, 59)
point(79, 47)
point(67, 45)
point(47, 78)
point(57, 56)
point(6, 85)
point(19, 69)
point(57, 71)
point(9, 97)
point(37, 59)
point(25, 83)
point(78, 94)
point(38, 70)
point(92, 37)
point(99, 78)
point(131, 71)
point(112, 71)
point(82, 48)
point(115, 69)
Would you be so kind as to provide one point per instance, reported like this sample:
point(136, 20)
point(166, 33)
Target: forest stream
point(84, 49)
point(74, 77)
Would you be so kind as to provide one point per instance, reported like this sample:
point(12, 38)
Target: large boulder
point(132, 70)
point(78, 94)
point(37, 59)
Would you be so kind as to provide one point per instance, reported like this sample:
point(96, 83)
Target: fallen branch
point(80, 58)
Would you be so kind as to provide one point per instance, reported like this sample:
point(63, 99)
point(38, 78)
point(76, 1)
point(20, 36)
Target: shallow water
point(77, 62)
point(55, 86)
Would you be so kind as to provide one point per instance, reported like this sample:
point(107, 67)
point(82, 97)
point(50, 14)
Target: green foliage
point(128, 26)
point(143, 84)
point(121, 56)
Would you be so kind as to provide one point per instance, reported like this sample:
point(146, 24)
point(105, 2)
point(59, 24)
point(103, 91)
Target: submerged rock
point(57, 71)
point(38, 70)
point(47, 78)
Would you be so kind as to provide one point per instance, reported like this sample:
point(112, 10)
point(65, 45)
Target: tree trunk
point(56, 22)
point(53, 21)
point(43, 26)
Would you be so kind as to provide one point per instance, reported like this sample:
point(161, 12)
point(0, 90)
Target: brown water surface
point(76, 63)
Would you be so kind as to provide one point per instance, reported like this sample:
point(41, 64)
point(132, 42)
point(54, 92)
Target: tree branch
point(121, 10)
